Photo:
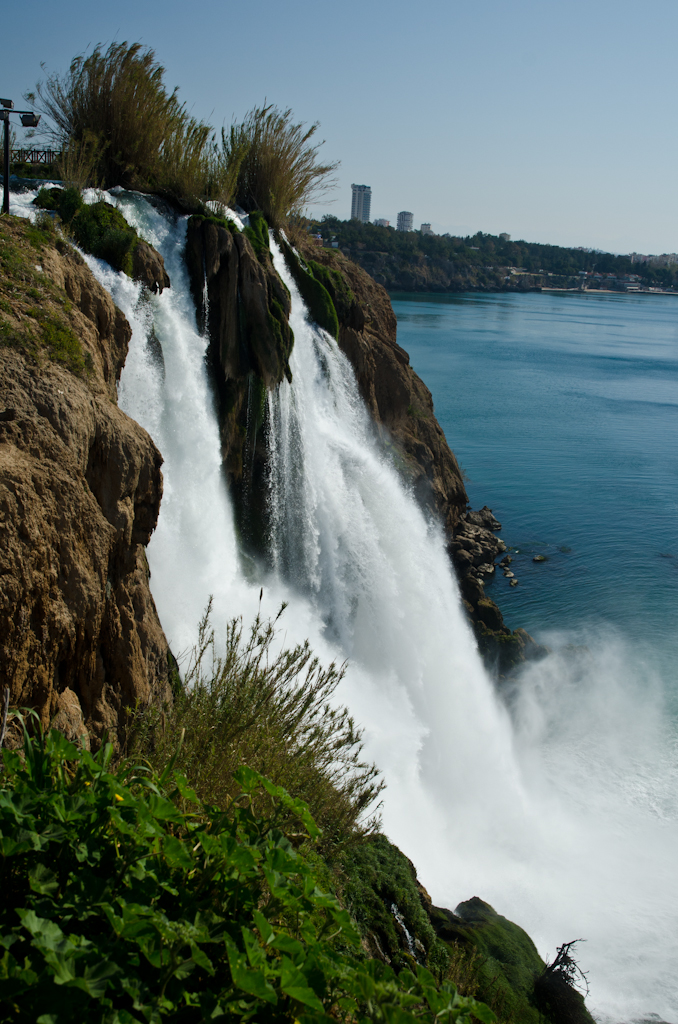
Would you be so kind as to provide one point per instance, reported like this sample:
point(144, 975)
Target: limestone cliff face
point(80, 489)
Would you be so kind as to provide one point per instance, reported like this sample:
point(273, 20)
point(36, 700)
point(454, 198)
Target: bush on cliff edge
point(126, 899)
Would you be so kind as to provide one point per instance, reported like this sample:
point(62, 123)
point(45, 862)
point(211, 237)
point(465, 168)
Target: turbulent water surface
point(556, 802)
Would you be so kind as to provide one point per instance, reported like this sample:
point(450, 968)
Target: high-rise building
point(361, 202)
point(381, 222)
point(405, 220)
point(426, 229)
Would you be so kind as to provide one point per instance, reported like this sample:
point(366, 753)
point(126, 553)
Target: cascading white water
point(563, 816)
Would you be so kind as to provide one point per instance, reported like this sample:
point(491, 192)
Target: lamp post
point(28, 120)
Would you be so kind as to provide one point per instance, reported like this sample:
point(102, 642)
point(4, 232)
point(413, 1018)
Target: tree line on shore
point(477, 252)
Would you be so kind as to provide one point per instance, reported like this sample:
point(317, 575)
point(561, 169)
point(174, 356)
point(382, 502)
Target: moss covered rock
point(318, 300)
point(101, 230)
point(387, 902)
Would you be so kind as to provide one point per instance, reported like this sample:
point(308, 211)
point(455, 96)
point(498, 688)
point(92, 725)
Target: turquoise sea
point(563, 412)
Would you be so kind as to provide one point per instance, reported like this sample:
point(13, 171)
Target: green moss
point(62, 344)
point(103, 231)
point(257, 232)
point(99, 229)
point(316, 296)
point(18, 337)
point(377, 876)
point(284, 334)
point(336, 285)
point(219, 222)
point(509, 965)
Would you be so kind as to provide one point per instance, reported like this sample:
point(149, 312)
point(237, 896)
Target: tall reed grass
point(278, 168)
point(116, 124)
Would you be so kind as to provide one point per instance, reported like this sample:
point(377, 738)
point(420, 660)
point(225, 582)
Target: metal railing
point(34, 156)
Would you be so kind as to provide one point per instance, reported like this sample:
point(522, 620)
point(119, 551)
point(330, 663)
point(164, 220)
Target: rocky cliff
point(80, 489)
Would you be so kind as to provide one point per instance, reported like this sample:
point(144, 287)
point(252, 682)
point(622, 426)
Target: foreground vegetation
point(126, 898)
point(176, 881)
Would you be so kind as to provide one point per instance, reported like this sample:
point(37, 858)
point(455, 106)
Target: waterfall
point(561, 813)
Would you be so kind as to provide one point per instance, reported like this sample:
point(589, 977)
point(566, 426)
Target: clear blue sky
point(554, 120)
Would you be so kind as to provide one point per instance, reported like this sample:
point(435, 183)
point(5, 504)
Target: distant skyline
point(554, 122)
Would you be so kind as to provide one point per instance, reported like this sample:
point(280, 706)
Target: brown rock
point(148, 266)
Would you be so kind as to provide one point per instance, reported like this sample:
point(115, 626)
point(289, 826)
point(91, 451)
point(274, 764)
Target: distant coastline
point(415, 261)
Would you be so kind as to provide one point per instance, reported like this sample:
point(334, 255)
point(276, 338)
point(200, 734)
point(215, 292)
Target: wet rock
point(540, 558)
point(148, 266)
point(484, 518)
point(513, 583)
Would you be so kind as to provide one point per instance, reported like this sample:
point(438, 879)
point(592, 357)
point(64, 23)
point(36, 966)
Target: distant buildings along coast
point(361, 202)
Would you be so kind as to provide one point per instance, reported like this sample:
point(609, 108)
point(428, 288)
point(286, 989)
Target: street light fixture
point(28, 120)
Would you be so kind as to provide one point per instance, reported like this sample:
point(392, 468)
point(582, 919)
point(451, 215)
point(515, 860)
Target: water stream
point(560, 812)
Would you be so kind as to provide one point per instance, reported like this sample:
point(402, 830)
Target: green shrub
point(125, 899)
point(271, 711)
point(277, 166)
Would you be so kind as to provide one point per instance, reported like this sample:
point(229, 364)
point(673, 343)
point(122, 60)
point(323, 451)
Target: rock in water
point(148, 266)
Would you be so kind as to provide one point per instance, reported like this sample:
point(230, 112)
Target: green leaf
point(303, 995)
point(42, 880)
point(481, 1012)
point(47, 933)
point(176, 853)
point(201, 959)
point(94, 980)
point(265, 929)
point(253, 982)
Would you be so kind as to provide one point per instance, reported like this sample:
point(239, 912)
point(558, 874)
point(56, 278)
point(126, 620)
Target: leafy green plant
point(126, 899)
point(278, 168)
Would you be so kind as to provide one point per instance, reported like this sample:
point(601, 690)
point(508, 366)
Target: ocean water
point(563, 412)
